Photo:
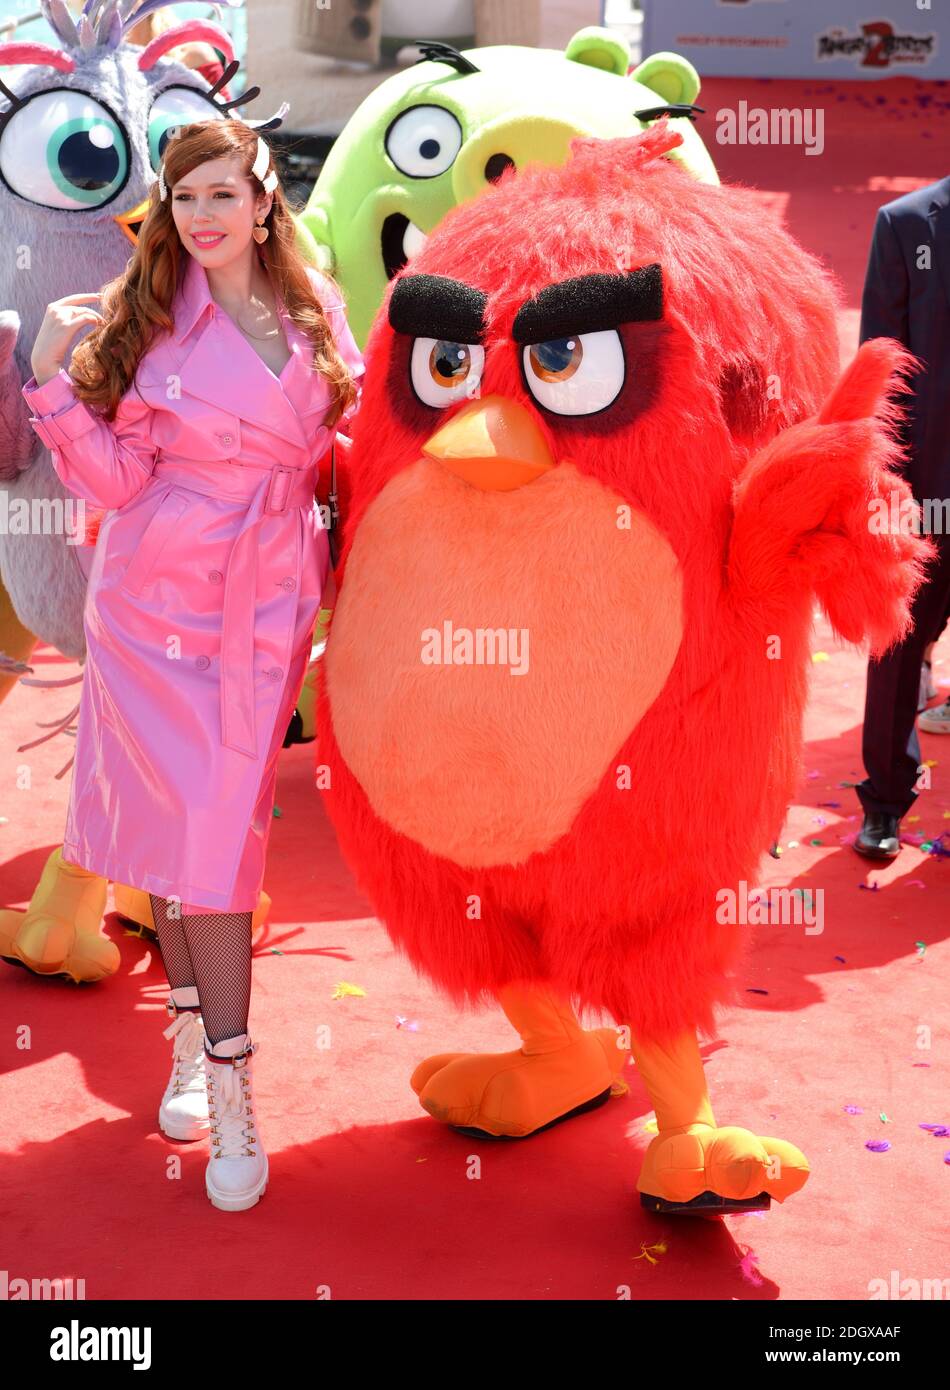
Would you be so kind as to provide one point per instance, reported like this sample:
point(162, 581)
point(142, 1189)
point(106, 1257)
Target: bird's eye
point(444, 372)
point(424, 141)
point(176, 106)
point(576, 375)
point(64, 149)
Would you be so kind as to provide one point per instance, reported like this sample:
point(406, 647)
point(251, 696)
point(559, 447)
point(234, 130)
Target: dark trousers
point(889, 746)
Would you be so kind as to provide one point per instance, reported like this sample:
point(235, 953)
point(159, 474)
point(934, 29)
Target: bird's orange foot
point(700, 1163)
point(513, 1094)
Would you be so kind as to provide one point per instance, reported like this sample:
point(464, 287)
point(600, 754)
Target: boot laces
point(230, 1107)
point(187, 1030)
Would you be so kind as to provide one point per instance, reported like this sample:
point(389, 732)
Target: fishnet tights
point(212, 951)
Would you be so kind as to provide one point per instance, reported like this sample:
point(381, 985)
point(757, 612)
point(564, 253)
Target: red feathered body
point(574, 823)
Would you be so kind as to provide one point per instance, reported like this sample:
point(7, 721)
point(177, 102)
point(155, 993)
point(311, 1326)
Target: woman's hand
point(63, 317)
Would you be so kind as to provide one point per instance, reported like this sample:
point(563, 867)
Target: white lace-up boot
point(236, 1176)
point(183, 1113)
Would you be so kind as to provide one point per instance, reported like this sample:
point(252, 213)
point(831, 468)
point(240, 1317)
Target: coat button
point(202, 662)
point(226, 438)
point(215, 576)
point(289, 584)
point(275, 673)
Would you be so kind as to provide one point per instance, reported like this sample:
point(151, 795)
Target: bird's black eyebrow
point(434, 306)
point(589, 304)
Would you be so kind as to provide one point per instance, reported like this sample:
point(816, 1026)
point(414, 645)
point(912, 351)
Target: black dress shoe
point(880, 836)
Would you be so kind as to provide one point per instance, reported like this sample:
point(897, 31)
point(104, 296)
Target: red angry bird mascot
point(600, 473)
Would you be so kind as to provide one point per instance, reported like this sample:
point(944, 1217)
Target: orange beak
point(133, 217)
point(493, 443)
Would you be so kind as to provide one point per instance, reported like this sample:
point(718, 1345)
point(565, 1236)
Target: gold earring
point(260, 232)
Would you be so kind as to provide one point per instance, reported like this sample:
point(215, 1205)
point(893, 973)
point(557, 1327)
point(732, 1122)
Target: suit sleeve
point(886, 286)
point(105, 462)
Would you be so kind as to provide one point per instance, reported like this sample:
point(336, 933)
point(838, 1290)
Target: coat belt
point(269, 492)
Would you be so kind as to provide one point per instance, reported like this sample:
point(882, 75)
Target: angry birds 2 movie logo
point(877, 45)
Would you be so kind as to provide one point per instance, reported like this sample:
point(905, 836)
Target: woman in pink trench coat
point(202, 598)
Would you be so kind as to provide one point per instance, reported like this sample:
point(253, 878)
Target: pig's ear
point(673, 78)
point(599, 48)
point(807, 512)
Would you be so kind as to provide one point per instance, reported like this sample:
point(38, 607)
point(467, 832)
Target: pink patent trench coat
point(203, 592)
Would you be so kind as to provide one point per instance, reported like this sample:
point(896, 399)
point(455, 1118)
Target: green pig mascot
point(439, 132)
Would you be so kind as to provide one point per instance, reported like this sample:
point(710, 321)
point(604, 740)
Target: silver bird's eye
point(176, 106)
point(64, 149)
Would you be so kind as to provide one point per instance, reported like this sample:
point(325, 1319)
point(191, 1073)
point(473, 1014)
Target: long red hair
point(137, 305)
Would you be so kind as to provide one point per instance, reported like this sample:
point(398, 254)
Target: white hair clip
point(259, 169)
point(261, 161)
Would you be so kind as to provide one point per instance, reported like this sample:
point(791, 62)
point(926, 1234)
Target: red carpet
point(370, 1198)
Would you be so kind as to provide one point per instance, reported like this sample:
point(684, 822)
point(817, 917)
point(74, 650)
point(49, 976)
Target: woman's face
point(214, 207)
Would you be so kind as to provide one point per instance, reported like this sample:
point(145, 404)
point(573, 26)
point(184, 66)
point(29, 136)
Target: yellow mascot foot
point(59, 932)
point(700, 1168)
point(513, 1094)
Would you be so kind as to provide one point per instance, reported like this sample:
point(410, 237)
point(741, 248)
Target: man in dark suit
point(907, 297)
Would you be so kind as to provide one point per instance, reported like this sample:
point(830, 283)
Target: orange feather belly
point(491, 652)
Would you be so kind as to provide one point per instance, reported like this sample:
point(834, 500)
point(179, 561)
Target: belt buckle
point(277, 471)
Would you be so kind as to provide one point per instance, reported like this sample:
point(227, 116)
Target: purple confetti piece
point(852, 1109)
point(756, 991)
point(946, 1157)
point(833, 804)
point(920, 1064)
point(869, 887)
point(877, 1146)
point(938, 1131)
point(818, 820)
point(842, 959)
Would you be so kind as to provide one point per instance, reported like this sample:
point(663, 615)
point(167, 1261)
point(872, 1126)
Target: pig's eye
point(443, 372)
point(578, 375)
point(424, 141)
